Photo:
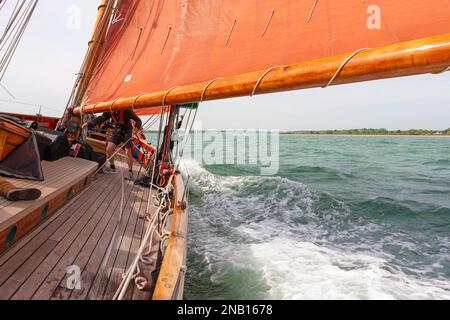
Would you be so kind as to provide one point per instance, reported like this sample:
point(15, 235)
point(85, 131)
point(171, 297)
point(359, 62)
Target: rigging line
point(19, 37)
point(13, 32)
point(116, 152)
point(130, 272)
point(11, 18)
point(28, 104)
point(156, 154)
point(7, 91)
point(2, 3)
point(202, 97)
point(149, 232)
point(262, 78)
point(338, 72)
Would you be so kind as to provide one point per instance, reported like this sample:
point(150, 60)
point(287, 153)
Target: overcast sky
point(50, 54)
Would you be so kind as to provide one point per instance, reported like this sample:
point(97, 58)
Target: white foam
point(302, 270)
point(295, 261)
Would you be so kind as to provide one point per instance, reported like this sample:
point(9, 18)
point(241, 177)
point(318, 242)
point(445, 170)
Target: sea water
point(344, 218)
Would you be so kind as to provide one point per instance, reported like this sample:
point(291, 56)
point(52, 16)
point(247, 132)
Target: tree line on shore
point(365, 131)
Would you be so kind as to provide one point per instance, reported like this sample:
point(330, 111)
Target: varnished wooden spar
point(95, 46)
point(428, 55)
point(170, 283)
point(92, 56)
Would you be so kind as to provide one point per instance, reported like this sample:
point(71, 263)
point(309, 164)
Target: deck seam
point(88, 225)
point(58, 227)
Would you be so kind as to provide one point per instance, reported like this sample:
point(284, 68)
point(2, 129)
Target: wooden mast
point(93, 53)
point(94, 49)
point(428, 55)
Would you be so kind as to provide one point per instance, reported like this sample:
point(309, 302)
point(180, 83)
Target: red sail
point(155, 45)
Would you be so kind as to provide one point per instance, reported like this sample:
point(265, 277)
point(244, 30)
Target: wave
point(302, 270)
point(256, 237)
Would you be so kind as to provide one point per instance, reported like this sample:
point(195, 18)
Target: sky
point(43, 71)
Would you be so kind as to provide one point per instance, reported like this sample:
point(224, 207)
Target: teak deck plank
point(82, 233)
point(82, 244)
point(136, 242)
point(62, 173)
point(102, 278)
point(38, 236)
point(92, 263)
point(67, 232)
point(123, 251)
point(66, 250)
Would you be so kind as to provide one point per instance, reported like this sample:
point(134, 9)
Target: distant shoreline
point(362, 135)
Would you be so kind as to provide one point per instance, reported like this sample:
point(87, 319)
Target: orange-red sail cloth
point(155, 45)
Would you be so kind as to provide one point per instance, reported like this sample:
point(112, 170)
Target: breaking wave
point(255, 237)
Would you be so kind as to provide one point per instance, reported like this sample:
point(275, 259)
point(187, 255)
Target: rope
point(167, 93)
point(202, 97)
point(112, 105)
point(16, 32)
point(164, 202)
point(261, 79)
point(443, 71)
point(344, 64)
point(133, 106)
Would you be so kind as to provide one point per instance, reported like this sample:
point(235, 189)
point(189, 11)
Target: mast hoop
point(202, 97)
point(339, 70)
point(262, 78)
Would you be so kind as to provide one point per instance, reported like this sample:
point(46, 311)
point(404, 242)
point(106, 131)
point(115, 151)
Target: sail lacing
point(338, 72)
point(262, 78)
point(443, 71)
point(202, 97)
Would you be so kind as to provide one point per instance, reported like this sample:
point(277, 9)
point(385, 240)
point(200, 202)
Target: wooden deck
point(81, 234)
point(64, 179)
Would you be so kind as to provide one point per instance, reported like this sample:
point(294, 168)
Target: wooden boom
point(428, 55)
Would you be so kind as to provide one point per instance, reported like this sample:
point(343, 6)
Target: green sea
point(344, 218)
